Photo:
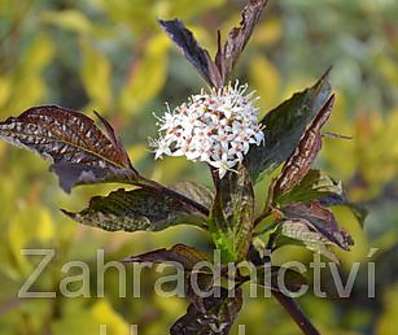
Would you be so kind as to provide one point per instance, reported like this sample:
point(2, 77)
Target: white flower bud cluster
point(216, 128)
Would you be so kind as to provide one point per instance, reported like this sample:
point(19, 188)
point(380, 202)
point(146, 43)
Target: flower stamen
point(215, 127)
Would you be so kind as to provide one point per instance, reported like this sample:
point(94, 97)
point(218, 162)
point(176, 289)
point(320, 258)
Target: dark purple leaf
point(320, 219)
point(284, 126)
point(299, 163)
point(140, 209)
point(185, 255)
point(216, 316)
point(79, 151)
point(192, 51)
point(228, 54)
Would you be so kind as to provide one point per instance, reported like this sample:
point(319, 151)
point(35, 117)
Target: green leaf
point(215, 317)
point(140, 209)
point(315, 185)
point(231, 219)
point(284, 126)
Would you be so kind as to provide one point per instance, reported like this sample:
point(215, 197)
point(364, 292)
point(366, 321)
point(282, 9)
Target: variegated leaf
point(301, 230)
point(231, 218)
point(140, 209)
point(321, 220)
point(299, 163)
point(216, 316)
point(199, 193)
point(228, 54)
point(79, 151)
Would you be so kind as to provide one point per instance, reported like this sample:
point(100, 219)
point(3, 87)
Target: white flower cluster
point(216, 128)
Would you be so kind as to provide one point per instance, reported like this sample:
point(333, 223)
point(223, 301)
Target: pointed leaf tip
point(137, 210)
point(320, 219)
point(284, 126)
point(193, 52)
point(229, 53)
point(79, 151)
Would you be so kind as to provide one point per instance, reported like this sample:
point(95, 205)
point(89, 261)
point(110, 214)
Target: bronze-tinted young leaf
point(299, 163)
point(196, 192)
point(231, 218)
point(140, 209)
point(320, 219)
point(80, 152)
point(228, 54)
point(284, 126)
point(216, 316)
point(192, 51)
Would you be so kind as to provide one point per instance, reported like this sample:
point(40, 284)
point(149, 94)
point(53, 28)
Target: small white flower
point(216, 127)
point(162, 148)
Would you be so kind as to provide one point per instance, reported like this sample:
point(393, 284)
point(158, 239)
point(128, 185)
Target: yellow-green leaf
point(148, 75)
point(265, 78)
point(96, 75)
point(70, 19)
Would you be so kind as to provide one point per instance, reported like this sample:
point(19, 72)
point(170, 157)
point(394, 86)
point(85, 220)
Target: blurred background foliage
point(111, 56)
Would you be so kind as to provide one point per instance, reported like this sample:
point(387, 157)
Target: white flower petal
point(216, 127)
